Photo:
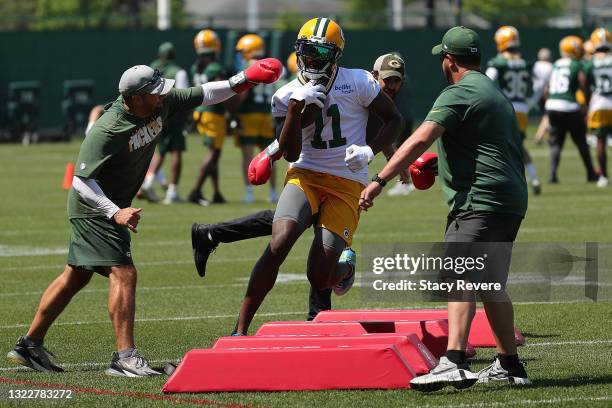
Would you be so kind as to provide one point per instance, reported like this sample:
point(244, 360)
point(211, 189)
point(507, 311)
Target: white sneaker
point(401, 189)
point(273, 197)
point(536, 186)
point(249, 197)
point(445, 373)
point(495, 372)
point(172, 198)
point(149, 194)
point(602, 182)
point(592, 141)
point(132, 366)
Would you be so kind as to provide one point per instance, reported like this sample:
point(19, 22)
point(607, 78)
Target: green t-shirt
point(258, 100)
point(175, 124)
point(212, 72)
point(479, 155)
point(563, 82)
point(513, 77)
point(599, 74)
point(119, 147)
point(168, 69)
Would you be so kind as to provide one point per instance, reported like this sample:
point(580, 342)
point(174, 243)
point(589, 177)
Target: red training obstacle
point(416, 354)
point(374, 366)
point(481, 334)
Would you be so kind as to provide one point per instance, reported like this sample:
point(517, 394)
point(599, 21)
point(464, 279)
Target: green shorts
point(172, 140)
point(97, 243)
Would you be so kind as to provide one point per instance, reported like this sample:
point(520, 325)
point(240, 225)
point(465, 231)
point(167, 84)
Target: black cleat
point(218, 199)
point(202, 246)
point(35, 357)
point(197, 198)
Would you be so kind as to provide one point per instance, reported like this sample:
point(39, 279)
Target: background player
point(210, 120)
point(563, 110)
point(513, 76)
point(255, 125)
point(599, 77)
point(172, 138)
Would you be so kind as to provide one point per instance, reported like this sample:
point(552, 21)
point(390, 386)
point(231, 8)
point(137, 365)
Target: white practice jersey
point(343, 122)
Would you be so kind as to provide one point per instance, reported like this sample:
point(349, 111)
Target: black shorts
point(480, 245)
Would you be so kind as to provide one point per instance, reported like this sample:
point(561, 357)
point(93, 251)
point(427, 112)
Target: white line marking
point(522, 402)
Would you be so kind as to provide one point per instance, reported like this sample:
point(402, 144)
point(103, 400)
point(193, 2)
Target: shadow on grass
point(572, 382)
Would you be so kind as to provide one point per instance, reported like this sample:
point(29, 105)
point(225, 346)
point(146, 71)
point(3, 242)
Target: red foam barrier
point(433, 333)
point(481, 334)
point(301, 327)
point(308, 368)
point(416, 354)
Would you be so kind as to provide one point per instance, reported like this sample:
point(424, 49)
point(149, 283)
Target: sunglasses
point(319, 52)
point(154, 80)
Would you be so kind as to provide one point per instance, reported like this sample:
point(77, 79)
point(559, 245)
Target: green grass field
point(569, 344)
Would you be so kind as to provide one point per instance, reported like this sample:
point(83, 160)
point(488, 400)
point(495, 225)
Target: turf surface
point(569, 344)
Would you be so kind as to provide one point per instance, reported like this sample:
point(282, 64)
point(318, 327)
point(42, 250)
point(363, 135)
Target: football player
point(256, 126)
point(599, 77)
point(210, 120)
point(563, 110)
point(329, 162)
point(513, 76)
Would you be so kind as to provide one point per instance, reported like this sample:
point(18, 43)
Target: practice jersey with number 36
point(342, 123)
point(513, 76)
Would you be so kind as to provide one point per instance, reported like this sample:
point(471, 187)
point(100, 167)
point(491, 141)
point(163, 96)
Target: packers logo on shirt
point(146, 134)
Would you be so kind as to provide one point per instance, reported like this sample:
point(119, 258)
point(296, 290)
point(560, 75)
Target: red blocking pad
point(302, 368)
point(481, 334)
point(301, 327)
point(433, 333)
point(416, 354)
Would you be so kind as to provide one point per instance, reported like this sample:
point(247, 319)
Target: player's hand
point(128, 217)
point(358, 157)
point(424, 170)
point(366, 200)
point(310, 94)
point(260, 168)
point(263, 71)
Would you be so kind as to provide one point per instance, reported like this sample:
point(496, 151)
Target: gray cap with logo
point(389, 65)
point(141, 80)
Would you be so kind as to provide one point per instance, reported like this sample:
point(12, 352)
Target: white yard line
point(524, 402)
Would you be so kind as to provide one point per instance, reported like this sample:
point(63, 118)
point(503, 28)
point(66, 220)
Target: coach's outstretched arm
point(408, 152)
point(265, 71)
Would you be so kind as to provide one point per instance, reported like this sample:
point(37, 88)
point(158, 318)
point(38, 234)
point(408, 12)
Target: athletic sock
point(125, 353)
point(509, 362)
point(248, 189)
point(160, 177)
point(171, 189)
point(531, 171)
point(456, 356)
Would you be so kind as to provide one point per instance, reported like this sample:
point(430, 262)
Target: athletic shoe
point(273, 197)
point(133, 366)
point(602, 182)
point(444, 374)
point(401, 189)
point(536, 186)
point(249, 198)
point(172, 198)
point(202, 246)
point(495, 372)
point(149, 195)
point(197, 198)
point(218, 199)
point(36, 357)
point(348, 257)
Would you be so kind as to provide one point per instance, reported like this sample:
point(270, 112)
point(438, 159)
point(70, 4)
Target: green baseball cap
point(165, 49)
point(458, 40)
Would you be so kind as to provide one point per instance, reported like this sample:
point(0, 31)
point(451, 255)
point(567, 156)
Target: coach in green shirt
point(111, 166)
point(481, 172)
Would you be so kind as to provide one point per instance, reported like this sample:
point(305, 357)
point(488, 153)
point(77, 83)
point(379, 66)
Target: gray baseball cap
point(141, 79)
point(389, 65)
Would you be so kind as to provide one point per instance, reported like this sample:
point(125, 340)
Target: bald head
point(544, 54)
